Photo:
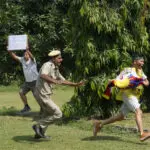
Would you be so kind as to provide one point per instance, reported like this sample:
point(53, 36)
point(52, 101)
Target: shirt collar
point(53, 65)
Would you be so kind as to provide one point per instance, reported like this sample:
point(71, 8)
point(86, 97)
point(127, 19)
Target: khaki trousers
point(50, 111)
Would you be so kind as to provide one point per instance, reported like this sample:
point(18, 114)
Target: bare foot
point(96, 127)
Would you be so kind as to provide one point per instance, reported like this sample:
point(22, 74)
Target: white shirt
point(29, 69)
point(127, 72)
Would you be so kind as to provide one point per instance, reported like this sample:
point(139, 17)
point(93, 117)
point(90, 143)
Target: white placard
point(17, 42)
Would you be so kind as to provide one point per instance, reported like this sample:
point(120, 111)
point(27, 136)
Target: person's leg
point(138, 118)
point(99, 124)
point(23, 98)
point(134, 106)
point(113, 119)
point(34, 91)
point(23, 91)
point(39, 133)
point(50, 114)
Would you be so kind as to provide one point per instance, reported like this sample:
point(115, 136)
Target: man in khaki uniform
point(49, 74)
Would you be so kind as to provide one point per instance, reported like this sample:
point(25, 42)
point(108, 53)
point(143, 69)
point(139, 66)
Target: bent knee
point(58, 114)
point(21, 93)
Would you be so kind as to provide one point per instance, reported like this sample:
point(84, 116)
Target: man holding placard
point(30, 72)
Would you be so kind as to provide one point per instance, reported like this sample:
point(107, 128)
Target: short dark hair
point(136, 57)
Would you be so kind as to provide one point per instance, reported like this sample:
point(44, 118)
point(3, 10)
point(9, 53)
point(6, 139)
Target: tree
point(43, 21)
point(103, 37)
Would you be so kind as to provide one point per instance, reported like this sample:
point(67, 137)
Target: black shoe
point(37, 136)
point(47, 137)
point(44, 137)
point(37, 131)
point(25, 109)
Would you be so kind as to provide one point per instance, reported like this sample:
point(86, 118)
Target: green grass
point(11, 88)
point(16, 132)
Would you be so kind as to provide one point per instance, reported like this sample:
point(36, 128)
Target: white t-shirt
point(127, 72)
point(29, 69)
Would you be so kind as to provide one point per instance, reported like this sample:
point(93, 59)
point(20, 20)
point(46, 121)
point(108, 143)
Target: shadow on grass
point(27, 139)
point(111, 138)
point(101, 138)
point(12, 111)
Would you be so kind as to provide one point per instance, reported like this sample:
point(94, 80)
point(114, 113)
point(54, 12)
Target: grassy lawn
point(16, 132)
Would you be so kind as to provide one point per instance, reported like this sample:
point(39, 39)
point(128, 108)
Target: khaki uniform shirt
point(52, 71)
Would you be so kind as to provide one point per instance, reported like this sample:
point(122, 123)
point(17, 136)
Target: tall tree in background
point(104, 35)
point(44, 21)
point(146, 20)
point(99, 37)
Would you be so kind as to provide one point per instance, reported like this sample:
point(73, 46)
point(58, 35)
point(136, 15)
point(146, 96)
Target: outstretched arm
point(63, 82)
point(48, 79)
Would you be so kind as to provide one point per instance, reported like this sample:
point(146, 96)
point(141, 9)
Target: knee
point(58, 114)
point(21, 93)
point(34, 92)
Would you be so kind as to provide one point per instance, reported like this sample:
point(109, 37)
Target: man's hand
point(146, 82)
point(7, 49)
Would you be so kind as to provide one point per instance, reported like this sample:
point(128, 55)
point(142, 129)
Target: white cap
point(54, 53)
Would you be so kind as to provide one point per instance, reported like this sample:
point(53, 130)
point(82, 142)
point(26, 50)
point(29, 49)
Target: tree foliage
point(45, 23)
point(99, 38)
point(104, 35)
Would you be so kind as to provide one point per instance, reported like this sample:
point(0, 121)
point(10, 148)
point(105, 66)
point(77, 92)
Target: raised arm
point(29, 53)
point(13, 55)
